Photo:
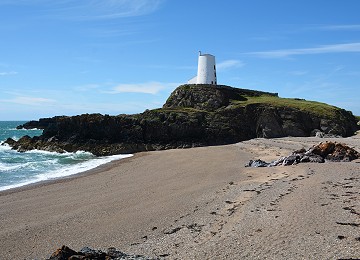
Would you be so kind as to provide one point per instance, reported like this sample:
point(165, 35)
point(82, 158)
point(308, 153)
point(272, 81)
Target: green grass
point(313, 107)
point(358, 119)
point(178, 109)
point(303, 105)
point(261, 98)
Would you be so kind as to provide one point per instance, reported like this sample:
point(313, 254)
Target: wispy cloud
point(8, 73)
point(25, 100)
point(91, 9)
point(321, 84)
point(147, 88)
point(104, 33)
point(340, 27)
point(227, 64)
point(335, 48)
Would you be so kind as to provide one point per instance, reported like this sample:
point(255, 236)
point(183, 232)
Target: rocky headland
point(193, 115)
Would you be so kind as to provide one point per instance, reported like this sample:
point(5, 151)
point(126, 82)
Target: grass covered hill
point(210, 97)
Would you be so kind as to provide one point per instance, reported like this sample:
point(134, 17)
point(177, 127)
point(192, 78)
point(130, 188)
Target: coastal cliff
point(193, 115)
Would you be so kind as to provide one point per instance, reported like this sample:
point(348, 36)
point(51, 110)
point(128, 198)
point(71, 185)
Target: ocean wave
point(64, 170)
point(81, 167)
point(6, 167)
point(59, 154)
point(29, 166)
point(24, 129)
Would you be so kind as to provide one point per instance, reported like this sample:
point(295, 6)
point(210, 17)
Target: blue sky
point(69, 57)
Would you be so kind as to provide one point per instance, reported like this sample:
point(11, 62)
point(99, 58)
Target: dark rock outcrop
point(41, 124)
point(331, 151)
point(66, 253)
point(193, 115)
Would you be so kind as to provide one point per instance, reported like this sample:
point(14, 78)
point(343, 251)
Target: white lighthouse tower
point(206, 73)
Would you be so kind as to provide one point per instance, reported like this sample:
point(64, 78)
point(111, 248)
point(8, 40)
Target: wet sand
point(199, 203)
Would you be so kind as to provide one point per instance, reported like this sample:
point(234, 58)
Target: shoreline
point(55, 179)
point(98, 169)
point(190, 204)
point(108, 165)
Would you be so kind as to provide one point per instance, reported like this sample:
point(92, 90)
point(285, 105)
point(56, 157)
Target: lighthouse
point(206, 73)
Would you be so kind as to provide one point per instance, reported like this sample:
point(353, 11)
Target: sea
point(20, 169)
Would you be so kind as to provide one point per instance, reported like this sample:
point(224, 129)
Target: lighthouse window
point(214, 67)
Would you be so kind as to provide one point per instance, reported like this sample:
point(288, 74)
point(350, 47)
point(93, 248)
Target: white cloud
point(335, 48)
point(33, 101)
point(147, 88)
point(8, 73)
point(91, 9)
point(227, 64)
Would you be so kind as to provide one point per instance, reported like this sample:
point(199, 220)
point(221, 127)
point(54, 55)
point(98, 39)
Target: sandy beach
point(198, 203)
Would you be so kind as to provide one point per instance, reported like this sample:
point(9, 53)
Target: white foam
point(58, 154)
point(4, 146)
point(67, 170)
point(6, 168)
point(24, 129)
point(29, 166)
point(32, 129)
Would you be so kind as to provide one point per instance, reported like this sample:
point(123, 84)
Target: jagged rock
point(291, 160)
point(86, 253)
point(341, 152)
point(316, 158)
point(323, 149)
point(334, 151)
point(319, 134)
point(41, 124)
point(10, 142)
point(314, 131)
point(257, 163)
point(63, 253)
point(331, 151)
point(193, 115)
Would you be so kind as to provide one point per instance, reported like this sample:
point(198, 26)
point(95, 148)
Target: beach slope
point(198, 203)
